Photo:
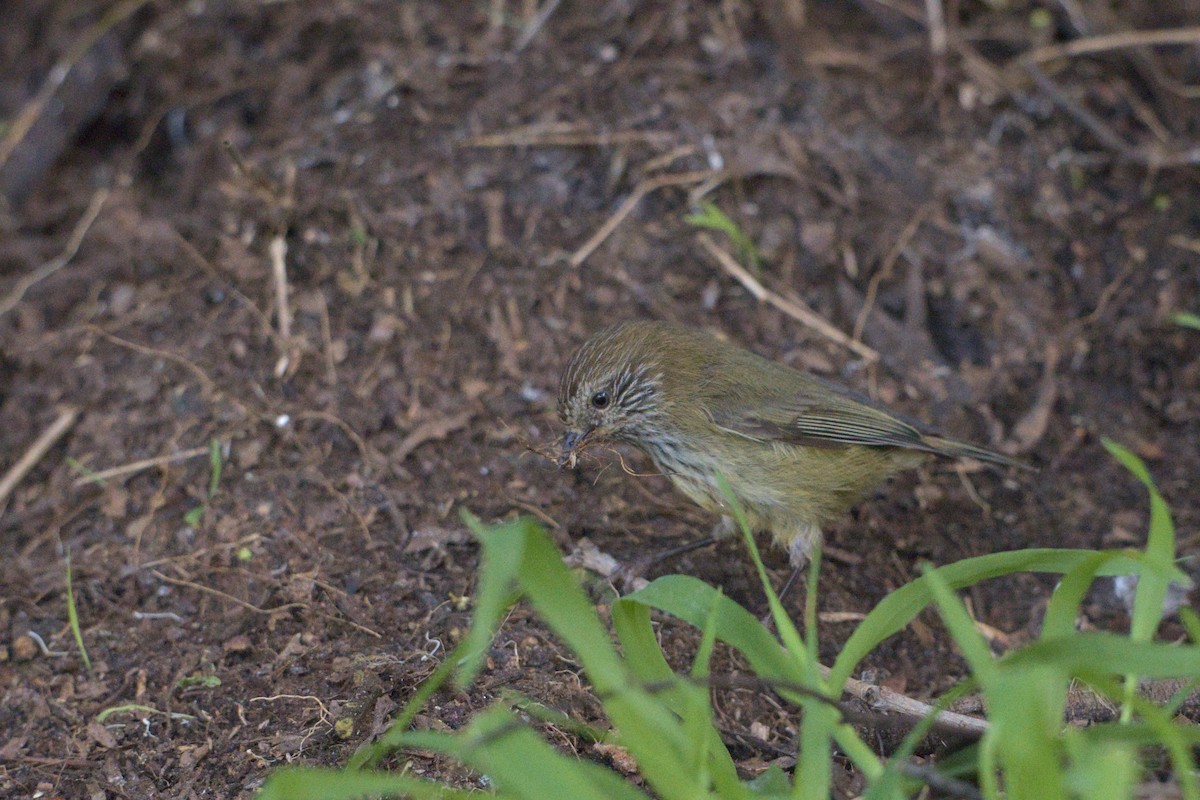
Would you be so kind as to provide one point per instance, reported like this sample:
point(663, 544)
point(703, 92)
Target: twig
point(944, 784)
point(566, 136)
point(225, 596)
point(138, 466)
point(630, 203)
point(539, 19)
point(58, 74)
point(36, 451)
point(208, 382)
point(793, 307)
point(878, 698)
point(935, 17)
point(278, 252)
point(62, 259)
point(327, 339)
point(1113, 41)
point(194, 253)
point(881, 698)
point(885, 269)
point(1154, 156)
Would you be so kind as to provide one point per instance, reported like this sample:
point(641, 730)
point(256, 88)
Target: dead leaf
point(101, 735)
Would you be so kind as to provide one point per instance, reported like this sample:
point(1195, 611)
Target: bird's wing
point(821, 415)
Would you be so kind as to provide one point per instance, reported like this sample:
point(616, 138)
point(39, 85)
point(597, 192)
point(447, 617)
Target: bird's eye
point(600, 399)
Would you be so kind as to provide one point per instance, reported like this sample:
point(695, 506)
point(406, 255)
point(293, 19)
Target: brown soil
point(431, 183)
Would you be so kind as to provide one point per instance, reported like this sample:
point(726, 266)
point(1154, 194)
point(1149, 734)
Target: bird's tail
point(956, 449)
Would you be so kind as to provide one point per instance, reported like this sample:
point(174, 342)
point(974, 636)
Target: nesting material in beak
point(570, 448)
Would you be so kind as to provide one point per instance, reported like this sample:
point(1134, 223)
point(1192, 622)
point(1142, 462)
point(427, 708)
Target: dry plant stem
point(935, 17)
point(58, 262)
point(59, 72)
point(36, 451)
point(278, 253)
point(567, 136)
point(225, 596)
point(539, 19)
point(885, 269)
point(206, 381)
point(1154, 156)
point(630, 203)
point(793, 307)
point(1113, 41)
point(138, 466)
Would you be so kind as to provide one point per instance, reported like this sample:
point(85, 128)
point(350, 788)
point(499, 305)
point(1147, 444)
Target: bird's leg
point(805, 539)
point(790, 582)
point(808, 537)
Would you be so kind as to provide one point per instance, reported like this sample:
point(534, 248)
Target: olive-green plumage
point(797, 451)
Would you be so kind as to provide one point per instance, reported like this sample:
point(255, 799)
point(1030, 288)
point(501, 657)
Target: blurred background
point(284, 285)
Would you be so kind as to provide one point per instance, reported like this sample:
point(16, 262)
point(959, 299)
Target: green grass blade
point(73, 618)
point(522, 764)
point(1186, 319)
point(500, 562)
point(783, 623)
point(1152, 587)
point(901, 606)
point(372, 753)
point(214, 467)
point(1107, 653)
point(1063, 608)
point(308, 783)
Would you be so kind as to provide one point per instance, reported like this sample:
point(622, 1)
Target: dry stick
point(195, 254)
point(567, 136)
point(881, 698)
point(58, 74)
point(36, 451)
point(793, 307)
point(936, 21)
point(278, 252)
point(1154, 157)
point(138, 466)
point(630, 203)
point(206, 381)
point(1113, 41)
point(885, 269)
point(55, 264)
point(226, 596)
point(539, 19)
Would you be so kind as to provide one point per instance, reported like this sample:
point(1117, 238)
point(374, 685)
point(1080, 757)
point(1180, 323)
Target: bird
point(796, 451)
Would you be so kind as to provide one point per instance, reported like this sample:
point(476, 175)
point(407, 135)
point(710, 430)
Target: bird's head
point(611, 389)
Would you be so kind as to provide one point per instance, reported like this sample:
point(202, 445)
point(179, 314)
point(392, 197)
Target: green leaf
point(901, 606)
point(308, 783)
point(1186, 319)
point(1106, 653)
point(198, 680)
point(714, 219)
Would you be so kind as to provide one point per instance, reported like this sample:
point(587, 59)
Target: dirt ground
point(434, 181)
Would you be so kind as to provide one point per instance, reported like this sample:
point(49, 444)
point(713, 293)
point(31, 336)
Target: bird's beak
point(571, 443)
